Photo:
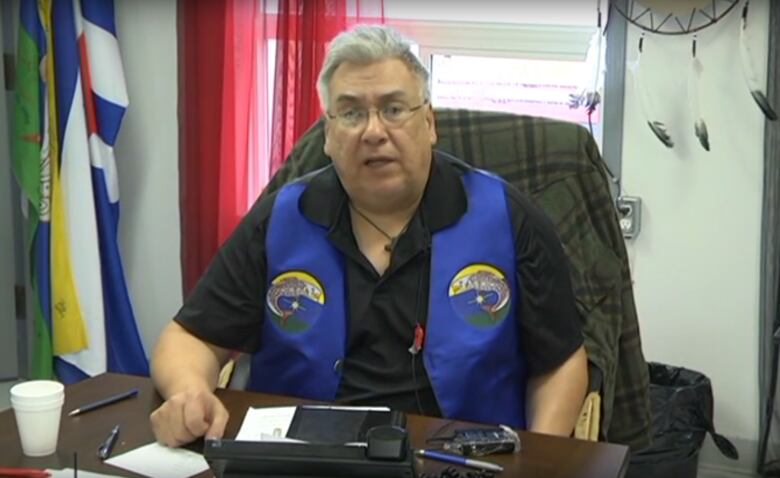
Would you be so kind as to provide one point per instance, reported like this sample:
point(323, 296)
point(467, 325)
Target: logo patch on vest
point(480, 295)
point(295, 300)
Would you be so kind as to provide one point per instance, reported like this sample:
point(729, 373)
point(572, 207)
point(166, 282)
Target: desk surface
point(542, 456)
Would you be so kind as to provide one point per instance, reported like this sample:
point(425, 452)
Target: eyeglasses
point(392, 115)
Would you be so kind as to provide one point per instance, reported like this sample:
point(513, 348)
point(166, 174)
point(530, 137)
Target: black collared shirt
point(226, 307)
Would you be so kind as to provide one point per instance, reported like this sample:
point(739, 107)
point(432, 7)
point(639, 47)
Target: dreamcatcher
point(687, 17)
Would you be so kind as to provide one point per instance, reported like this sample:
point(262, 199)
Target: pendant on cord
point(391, 245)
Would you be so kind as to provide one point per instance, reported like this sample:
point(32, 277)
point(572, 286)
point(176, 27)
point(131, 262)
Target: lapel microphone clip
point(419, 337)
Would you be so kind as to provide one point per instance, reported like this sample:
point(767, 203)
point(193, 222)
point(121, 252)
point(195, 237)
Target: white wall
point(147, 159)
point(696, 260)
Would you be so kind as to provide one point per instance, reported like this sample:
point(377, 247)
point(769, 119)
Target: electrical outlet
point(629, 210)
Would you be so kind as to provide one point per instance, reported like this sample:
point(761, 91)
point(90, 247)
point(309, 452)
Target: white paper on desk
point(155, 460)
point(267, 424)
point(68, 473)
point(273, 423)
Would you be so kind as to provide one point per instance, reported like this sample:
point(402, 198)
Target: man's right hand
point(189, 415)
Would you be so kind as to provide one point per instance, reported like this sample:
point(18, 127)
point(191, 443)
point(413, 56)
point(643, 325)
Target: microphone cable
point(419, 315)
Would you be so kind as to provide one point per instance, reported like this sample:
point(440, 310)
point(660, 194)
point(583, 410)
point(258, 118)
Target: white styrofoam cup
point(37, 407)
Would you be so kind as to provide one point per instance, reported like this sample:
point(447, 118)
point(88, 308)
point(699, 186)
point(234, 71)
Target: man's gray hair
point(367, 44)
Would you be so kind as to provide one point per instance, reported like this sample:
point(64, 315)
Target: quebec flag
point(70, 100)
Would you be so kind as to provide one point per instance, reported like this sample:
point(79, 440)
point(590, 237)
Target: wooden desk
point(542, 456)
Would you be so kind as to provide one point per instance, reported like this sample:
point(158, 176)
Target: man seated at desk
point(397, 276)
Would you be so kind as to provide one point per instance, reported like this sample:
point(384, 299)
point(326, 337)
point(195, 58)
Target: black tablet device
point(339, 425)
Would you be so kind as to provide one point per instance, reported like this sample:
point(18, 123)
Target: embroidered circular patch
point(479, 293)
point(295, 300)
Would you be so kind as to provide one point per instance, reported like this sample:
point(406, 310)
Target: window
point(514, 85)
point(521, 69)
point(517, 68)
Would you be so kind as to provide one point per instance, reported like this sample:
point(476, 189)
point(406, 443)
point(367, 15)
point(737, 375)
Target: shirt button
point(338, 365)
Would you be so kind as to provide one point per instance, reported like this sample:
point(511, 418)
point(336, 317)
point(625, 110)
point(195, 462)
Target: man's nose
point(375, 130)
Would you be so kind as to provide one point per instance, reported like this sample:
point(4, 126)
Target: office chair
point(558, 165)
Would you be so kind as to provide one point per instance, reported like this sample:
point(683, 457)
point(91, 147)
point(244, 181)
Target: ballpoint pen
point(459, 460)
point(104, 402)
point(24, 472)
point(105, 449)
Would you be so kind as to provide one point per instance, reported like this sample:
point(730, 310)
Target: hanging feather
point(759, 96)
point(657, 127)
point(694, 96)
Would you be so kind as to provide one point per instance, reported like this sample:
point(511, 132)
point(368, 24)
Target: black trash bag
point(682, 408)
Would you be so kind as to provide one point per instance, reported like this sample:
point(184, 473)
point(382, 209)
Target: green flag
point(30, 168)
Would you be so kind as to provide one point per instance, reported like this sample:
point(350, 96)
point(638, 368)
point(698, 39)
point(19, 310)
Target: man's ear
point(326, 132)
point(430, 119)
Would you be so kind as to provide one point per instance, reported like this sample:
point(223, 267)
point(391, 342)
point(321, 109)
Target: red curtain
point(245, 46)
point(201, 57)
point(223, 105)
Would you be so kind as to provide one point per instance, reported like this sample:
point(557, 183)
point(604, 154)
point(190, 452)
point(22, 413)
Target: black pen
point(104, 402)
point(105, 449)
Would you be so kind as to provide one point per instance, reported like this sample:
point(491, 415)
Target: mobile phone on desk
point(483, 441)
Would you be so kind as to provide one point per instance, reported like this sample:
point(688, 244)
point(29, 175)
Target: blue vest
point(472, 352)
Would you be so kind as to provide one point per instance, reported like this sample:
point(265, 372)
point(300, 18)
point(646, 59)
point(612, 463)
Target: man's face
point(379, 162)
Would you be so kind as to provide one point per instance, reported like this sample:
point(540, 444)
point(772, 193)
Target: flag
point(82, 99)
point(30, 163)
